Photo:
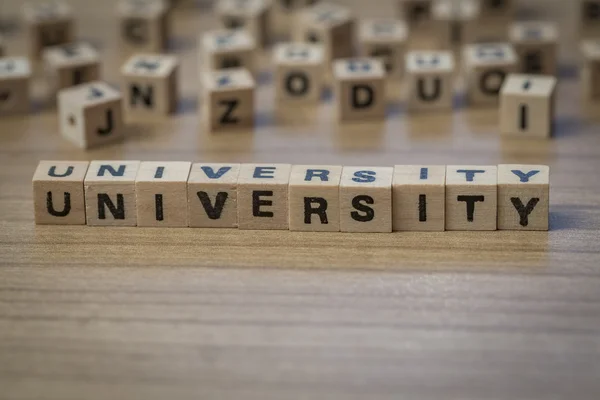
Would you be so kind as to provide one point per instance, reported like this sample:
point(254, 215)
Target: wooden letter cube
point(251, 15)
point(471, 198)
point(229, 100)
point(536, 46)
point(590, 73)
point(228, 49)
point(384, 39)
point(503, 10)
point(212, 195)
point(419, 195)
point(486, 67)
point(527, 105)
point(15, 76)
point(48, 24)
point(72, 64)
point(366, 199)
point(299, 69)
point(430, 80)
point(150, 85)
point(314, 198)
point(143, 25)
point(90, 114)
point(589, 18)
point(416, 13)
point(263, 196)
point(523, 197)
point(283, 16)
point(58, 195)
point(110, 193)
point(360, 89)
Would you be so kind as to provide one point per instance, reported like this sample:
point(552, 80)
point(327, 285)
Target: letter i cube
point(90, 114)
point(536, 45)
point(48, 24)
point(299, 72)
point(225, 49)
point(360, 89)
point(250, 15)
point(144, 25)
point(590, 72)
point(72, 64)
point(430, 80)
point(384, 39)
point(15, 76)
point(523, 197)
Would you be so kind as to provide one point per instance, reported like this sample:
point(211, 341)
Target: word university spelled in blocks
point(150, 85)
point(314, 197)
point(58, 195)
point(110, 193)
point(527, 105)
point(366, 199)
point(471, 198)
point(143, 25)
point(250, 15)
point(72, 64)
point(263, 196)
point(536, 45)
point(430, 80)
point(161, 194)
point(589, 18)
point(523, 197)
point(384, 39)
point(15, 76)
point(486, 67)
point(229, 100)
point(590, 73)
point(228, 49)
point(48, 24)
point(419, 195)
point(90, 114)
point(212, 195)
point(360, 89)
point(299, 72)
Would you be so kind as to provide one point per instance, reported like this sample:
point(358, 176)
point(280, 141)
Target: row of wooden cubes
point(299, 198)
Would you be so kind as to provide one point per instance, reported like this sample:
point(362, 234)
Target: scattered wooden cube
point(419, 197)
point(590, 72)
point(72, 64)
point(536, 46)
point(229, 99)
point(150, 84)
point(263, 196)
point(589, 18)
point(15, 76)
point(486, 67)
point(144, 25)
point(314, 198)
point(228, 49)
point(58, 195)
point(366, 199)
point(523, 197)
point(503, 10)
point(527, 105)
point(212, 195)
point(430, 80)
point(384, 39)
point(299, 69)
point(48, 24)
point(90, 114)
point(416, 13)
point(360, 89)
point(161, 194)
point(251, 15)
point(471, 198)
point(110, 193)
point(283, 17)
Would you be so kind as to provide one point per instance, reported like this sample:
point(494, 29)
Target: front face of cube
point(231, 109)
point(142, 33)
point(14, 95)
point(147, 96)
point(103, 123)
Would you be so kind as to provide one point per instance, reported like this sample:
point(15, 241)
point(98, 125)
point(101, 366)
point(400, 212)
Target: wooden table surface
point(100, 313)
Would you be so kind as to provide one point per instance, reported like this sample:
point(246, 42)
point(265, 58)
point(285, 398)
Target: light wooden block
point(15, 77)
point(90, 114)
point(283, 16)
point(589, 18)
point(385, 40)
point(527, 105)
point(314, 198)
point(471, 198)
point(223, 49)
point(229, 100)
point(503, 10)
point(252, 16)
point(536, 45)
point(48, 24)
point(523, 197)
point(419, 197)
point(144, 25)
point(430, 81)
point(161, 194)
point(590, 71)
point(71, 64)
point(263, 196)
point(486, 67)
point(58, 196)
point(110, 193)
point(212, 195)
point(299, 70)
point(329, 24)
point(416, 13)
point(360, 89)
point(366, 199)
point(150, 83)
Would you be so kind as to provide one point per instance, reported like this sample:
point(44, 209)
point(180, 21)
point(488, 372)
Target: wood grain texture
point(144, 313)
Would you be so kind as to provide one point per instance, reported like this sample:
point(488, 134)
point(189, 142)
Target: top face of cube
point(298, 54)
point(72, 171)
point(327, 15)
point(312, 175)
point(382, 30)
point(350, 68)
point(142, 8)
point(422, 61)
point(457, 175)
point(519, 174)
point(112, 171)
point(158, 171)
point(530, 85)
point(449, 10)
point(242, 7)
point(420, 175)
point(490, 53)
point(46, 12)
point(214, 173)
point(227, 40)
point(228, 79)
point(89, 94)
point(372, 177)
point(71, 54)
point(151, 65)
point(591, 49)
point(533, 32)
point(15, 67)
point(265, 174)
